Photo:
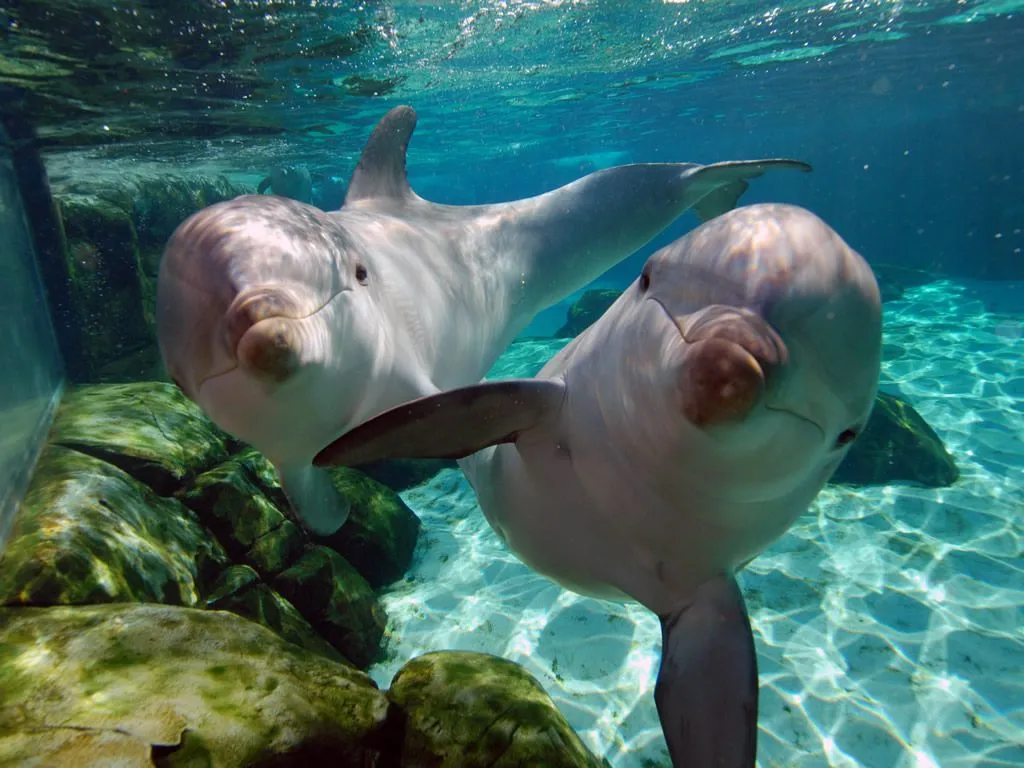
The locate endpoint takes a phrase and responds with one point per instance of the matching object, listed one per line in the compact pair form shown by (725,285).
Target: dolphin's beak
(260,334)
(730,354)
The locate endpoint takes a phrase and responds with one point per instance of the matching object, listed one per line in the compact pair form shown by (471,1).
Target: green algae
(473,709)
(337,601)
(208,686)
(87,532)
(148,429)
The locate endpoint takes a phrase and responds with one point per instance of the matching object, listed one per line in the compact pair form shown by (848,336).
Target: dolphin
(671,442)
(289,325)
(292,181)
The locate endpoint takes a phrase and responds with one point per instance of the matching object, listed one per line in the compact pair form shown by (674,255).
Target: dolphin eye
(645,281)
(361,273)
(846,437)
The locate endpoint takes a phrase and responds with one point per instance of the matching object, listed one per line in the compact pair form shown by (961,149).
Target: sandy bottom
(888,621)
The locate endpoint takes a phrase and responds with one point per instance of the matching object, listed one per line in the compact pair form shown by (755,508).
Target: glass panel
(32,372)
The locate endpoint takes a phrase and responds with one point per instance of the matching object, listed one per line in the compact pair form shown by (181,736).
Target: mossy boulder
(585,310)
(471,709)
(150,684)
(242,502)
(337,601)
(87,532)
(380,534)
(240,590)
(149,429)
(114,235)
(244,511)
(897,445)
(101,262)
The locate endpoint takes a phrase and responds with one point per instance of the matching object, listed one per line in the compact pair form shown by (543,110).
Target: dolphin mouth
(255,308)
(797,415)
(672,319)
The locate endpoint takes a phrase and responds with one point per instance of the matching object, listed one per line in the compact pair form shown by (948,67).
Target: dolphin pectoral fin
(719,186)
(381,169)
(449,425)
(314,498)
(706,692)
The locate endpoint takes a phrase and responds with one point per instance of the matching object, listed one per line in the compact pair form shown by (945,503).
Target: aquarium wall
(31,371)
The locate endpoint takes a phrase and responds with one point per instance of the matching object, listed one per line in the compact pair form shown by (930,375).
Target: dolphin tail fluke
(726,182)
(314,498)
(706,692)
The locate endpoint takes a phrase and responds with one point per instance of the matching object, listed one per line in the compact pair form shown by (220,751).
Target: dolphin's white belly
(624,541)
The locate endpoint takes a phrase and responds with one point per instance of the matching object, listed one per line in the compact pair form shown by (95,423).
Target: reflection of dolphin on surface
(671,442)
(290,326)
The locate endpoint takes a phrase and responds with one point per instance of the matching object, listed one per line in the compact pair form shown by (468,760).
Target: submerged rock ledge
(162,607)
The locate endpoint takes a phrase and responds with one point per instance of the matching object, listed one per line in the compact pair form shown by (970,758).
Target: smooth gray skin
(289,325)
(671,442)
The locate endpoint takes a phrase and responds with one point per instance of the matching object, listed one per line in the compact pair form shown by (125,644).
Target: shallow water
(887,620)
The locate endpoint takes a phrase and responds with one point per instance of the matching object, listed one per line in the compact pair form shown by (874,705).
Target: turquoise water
(888,620)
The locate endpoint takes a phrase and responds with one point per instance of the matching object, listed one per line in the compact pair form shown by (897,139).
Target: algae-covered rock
(87,532)
(237,503)
(337,601)
(897,445)
(240,590)
(585,310)
(380,534)
(241,500)
(101,262)
(148,429)
(471,709)
(149,684)
(114,234)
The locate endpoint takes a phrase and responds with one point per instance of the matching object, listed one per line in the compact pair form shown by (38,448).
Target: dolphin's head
(769,328)
(262,303)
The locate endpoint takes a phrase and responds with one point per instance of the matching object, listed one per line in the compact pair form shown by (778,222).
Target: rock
(337,601)
(144,684)
(585,310)
(897,444)
(380,534)
(237,503)
(87,532)
(148,429)
(471,709)
(240,590)
(101,262)
(114,235)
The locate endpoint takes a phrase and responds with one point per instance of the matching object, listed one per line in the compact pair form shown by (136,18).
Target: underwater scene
(518,382)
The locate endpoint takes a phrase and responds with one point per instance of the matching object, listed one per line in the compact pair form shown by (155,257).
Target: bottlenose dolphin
(289,325)
(289,181)
(671,442)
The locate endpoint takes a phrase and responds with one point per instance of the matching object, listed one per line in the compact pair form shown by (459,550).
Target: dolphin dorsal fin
(381,169)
